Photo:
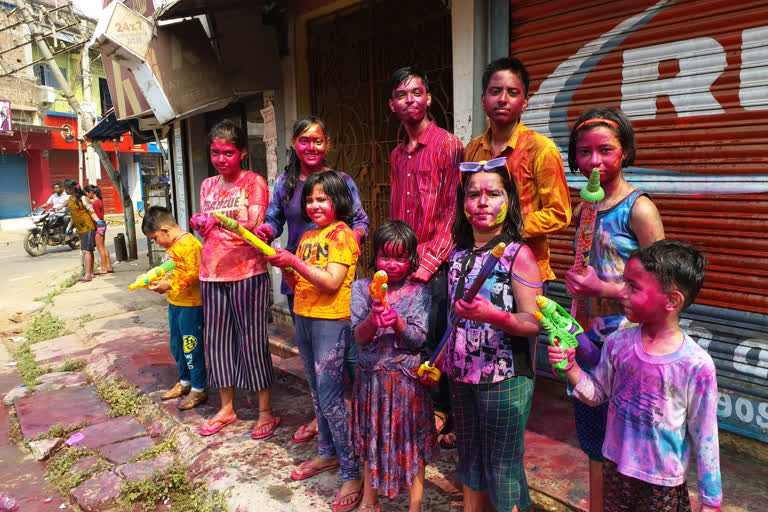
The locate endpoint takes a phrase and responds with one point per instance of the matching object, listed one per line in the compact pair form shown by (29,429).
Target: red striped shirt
(423,191)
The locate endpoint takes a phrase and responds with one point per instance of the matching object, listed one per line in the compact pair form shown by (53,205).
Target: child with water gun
(185,307)
(392,418)
(626,219)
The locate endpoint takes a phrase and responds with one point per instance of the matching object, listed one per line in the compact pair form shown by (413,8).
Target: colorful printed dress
(612,243)
(392,419)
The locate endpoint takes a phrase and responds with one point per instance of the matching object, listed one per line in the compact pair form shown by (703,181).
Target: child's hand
(160,286)
(479,310)
(556,356)
(584,285)
(386,318)
(264,233)
(282,259)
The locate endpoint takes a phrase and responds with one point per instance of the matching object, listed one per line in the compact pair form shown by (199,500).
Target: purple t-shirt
(658,406)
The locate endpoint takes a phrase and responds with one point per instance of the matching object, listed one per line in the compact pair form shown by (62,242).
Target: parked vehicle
(50,229)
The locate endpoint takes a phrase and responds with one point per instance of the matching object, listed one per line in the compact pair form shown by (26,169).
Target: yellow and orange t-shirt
(334,243)
(184,280)
(81,215)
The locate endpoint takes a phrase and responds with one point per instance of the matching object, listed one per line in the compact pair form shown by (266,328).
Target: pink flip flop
(336,506)
(272,422)
(307,470)
(304,434)
(208,428)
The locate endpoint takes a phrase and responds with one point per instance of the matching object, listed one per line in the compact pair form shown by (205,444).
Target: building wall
(38,171)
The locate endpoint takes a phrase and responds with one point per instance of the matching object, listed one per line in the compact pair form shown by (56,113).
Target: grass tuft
(122,398)
(44,327)
(173,488)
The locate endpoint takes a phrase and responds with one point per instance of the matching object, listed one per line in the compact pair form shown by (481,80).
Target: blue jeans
(186,323)
(325,346)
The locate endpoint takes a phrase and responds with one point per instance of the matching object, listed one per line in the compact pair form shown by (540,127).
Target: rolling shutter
(14,187)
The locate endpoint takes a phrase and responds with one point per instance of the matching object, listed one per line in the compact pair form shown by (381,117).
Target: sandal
(307,470)
(208,428)
(304,434)
(272,423)
(336,506)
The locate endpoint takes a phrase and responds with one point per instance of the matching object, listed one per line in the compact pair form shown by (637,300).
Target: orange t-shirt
(334,243)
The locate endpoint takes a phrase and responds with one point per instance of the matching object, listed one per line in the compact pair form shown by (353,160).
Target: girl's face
(311,146)
(320,208)
(226,158)
(600,147)
(91,195)
(485,202)
(393,260)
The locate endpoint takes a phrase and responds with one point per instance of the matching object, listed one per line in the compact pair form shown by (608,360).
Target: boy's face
(504,99)
(410,100)
(162,237)
(643,297)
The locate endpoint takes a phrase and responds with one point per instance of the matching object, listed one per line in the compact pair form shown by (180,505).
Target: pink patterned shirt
(227,257)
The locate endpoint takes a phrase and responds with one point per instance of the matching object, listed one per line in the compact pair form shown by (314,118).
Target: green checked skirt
(490,427)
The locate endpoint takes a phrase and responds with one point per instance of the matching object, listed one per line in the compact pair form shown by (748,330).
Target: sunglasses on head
(483,165)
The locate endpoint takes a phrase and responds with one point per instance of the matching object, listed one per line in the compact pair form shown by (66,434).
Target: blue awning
(109,128)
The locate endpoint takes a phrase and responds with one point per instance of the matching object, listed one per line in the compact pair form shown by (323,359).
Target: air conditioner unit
(47,94)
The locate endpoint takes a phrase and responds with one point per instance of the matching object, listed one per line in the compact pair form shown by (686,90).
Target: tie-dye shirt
(658,406)
(226,256)
(612,242)
(335,243)
(184,280)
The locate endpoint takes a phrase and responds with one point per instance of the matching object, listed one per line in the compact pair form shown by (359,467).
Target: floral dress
(392,419)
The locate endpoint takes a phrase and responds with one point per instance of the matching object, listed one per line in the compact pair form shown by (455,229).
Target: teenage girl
(86,221)
(94,194)
(323,270)
(234,283)
(488,359)
(392,417)
(626,219)
(309,145)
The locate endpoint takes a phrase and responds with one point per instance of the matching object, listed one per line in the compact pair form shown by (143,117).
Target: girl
(488,359)
(626,220)
(323,269)
(392,417)
(86,221)
(94,194)
(309,146)
(234,283)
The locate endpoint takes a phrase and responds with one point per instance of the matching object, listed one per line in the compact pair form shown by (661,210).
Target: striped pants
(236,344)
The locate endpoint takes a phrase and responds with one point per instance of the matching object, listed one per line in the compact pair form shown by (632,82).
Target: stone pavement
(126,335)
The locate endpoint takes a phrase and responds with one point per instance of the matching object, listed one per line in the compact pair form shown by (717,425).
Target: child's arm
(591,388)
(363,323)
(521,323)
(328,280)
(702,429)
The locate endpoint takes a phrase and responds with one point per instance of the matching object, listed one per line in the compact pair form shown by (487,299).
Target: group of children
(659,385)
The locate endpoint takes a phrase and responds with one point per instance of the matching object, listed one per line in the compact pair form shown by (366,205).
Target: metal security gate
(352,55)
(14,187)
(693,77)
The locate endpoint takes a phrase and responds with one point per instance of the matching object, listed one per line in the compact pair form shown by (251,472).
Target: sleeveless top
(478,353)
(612,242)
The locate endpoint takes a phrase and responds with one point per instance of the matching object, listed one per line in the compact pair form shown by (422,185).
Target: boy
(661,389)
(185,309)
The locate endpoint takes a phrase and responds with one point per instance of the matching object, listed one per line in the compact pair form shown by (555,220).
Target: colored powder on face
(501,216)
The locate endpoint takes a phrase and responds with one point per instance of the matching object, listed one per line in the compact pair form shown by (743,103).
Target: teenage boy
(424,175)
(661,388)
(185,306)
(534,160)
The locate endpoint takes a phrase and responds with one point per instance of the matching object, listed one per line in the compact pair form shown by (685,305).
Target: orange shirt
(334,243)
(537,168)
(184,280)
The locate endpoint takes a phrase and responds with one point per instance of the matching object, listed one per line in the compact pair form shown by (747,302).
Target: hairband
(598,120)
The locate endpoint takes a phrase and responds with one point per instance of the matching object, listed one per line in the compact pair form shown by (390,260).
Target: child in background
(323,270)
(661,388)
(185,307)
(392,417)
(488,358)
(626,219)
(94,194)
(86,221)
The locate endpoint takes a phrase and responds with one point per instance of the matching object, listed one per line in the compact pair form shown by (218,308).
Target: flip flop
(304,434)
(274,421)
(307,470)
(338,507)
(208,428)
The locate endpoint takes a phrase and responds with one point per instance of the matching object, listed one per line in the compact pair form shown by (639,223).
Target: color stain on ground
(281,493)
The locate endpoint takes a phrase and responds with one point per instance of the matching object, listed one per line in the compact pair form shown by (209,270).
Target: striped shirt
(423,191)
(537,167)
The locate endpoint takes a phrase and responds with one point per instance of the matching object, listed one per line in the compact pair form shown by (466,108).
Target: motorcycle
(50,229)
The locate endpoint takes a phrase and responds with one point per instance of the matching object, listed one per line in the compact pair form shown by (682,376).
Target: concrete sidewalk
(125,334)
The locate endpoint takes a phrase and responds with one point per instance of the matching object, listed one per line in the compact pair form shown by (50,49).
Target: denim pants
(186,323)
(325,346)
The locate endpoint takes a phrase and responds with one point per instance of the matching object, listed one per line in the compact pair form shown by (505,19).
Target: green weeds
(122,398)
(174,488)
(44,327)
